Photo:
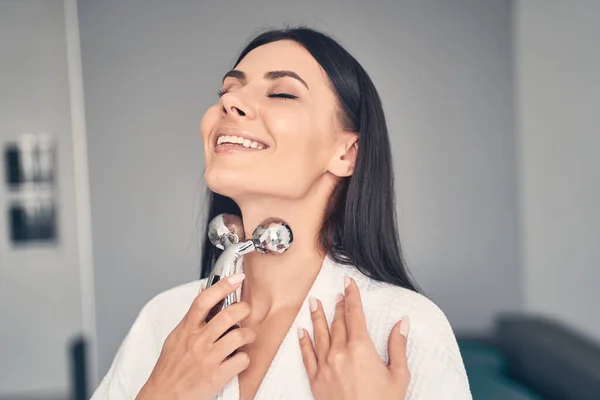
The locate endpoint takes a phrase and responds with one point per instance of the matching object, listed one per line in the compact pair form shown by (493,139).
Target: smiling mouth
(231,142)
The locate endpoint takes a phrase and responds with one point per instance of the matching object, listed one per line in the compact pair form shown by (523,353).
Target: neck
(283,280)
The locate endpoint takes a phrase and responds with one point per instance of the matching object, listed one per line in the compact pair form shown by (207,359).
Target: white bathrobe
(434,359)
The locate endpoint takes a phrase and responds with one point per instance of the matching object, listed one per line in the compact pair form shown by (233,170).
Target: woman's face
(274,131)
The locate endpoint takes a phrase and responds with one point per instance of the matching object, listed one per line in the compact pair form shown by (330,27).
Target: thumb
(397,346)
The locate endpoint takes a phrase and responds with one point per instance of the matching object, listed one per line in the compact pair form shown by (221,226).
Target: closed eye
(220,93)
(282,95)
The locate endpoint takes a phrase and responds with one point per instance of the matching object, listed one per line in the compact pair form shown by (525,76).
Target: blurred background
(493,110)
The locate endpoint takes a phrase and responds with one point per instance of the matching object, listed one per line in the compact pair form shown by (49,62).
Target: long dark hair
(359,226)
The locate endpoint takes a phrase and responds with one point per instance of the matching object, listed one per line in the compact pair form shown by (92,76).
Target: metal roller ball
(225,229)
(272,236)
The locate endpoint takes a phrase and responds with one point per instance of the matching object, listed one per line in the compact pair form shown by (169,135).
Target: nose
(233,106)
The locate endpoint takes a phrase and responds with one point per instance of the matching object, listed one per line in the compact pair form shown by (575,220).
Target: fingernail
(236,278)
(312,303)
(339,297)
(404,326)
(346,281)
(300,333)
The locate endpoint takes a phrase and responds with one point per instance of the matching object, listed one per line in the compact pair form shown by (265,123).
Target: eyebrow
(271,75)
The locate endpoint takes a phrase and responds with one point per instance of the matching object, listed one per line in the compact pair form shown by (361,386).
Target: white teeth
(239,140)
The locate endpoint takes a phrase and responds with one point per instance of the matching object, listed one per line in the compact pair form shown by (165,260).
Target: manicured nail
(346,281)
(339,297)
(300,333)
(236,278)
(404,326)
(312,303)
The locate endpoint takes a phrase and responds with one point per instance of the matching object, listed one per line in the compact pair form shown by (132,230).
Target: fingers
(397,346)
(320,328)
(232,367)
(210,297)
(225,319)
(308,353)
(355,317)
(232,341)
(339,335)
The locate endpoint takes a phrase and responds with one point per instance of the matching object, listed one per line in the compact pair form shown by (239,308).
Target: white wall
(40,298)
(443,69)
(558,62)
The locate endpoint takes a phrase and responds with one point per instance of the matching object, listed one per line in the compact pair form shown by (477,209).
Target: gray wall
(443,69)
(40,299)
(559,143)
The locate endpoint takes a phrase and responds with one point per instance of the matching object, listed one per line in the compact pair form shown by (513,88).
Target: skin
(292,179)
(343,364)
(311,153)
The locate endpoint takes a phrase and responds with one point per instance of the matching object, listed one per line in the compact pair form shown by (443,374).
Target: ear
(344,158)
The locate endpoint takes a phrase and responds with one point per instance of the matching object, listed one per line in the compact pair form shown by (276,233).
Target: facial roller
(226,232)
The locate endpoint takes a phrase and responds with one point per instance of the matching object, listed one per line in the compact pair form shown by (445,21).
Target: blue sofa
(531,357)
(486,367)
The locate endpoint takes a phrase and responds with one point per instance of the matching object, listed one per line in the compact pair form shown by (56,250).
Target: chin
(238,183)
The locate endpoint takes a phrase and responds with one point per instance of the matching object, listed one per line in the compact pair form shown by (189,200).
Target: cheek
(302,153)
(296,131)
(209,121)
(207,124)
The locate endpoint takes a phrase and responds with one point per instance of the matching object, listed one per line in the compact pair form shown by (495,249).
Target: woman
(298,133)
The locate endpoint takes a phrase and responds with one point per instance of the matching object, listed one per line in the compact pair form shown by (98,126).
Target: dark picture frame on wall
(30,176)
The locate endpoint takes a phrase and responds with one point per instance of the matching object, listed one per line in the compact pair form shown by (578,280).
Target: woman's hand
(193,363)
(345,364)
